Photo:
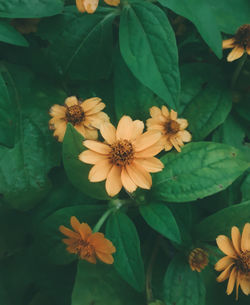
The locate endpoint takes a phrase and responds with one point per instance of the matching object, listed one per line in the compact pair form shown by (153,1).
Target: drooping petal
(223,263)
(91,157)
(225,274)
(98,147)
(112,2)
(106,258)
(236,239)
(96,120)
(101,244)
(185,135)
(80,6)
(245,284)
(151,165)
(127,182)
(100,170)
(155,111)
(231,281)
(149,152)
(60,130)
(108,132)
(58,111)
(91,259)
(245,239)
(113,183)
(68,232)
(75,224)
(71,101)
(228,43)
(147,139)
(236,53)
(226,246)
(139,175)
(124,128)
(91,134)
(85,230)
(89,103)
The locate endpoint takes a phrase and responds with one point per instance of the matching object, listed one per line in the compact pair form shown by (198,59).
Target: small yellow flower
(172,129)
(90,6)
(240,43)
(127,157)
(25,25)
(85,116)
(236,265)
(87,245)
(198,259)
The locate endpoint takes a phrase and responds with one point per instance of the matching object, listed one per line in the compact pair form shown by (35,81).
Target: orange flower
(236,265)
(25,25)
(90,6)
(87,245)
(127,157)
(240,43)
(198,259)
(86,117)
(172,129)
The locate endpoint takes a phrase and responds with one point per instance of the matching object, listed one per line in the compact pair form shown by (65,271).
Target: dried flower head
(87,245)
(172,129)
(25,25)
(198,259)
(85,116)
(90,6)
(240,43)
(236,265)
(127,157)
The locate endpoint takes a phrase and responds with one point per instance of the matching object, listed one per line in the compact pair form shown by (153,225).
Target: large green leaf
(201,15)
(206,97)
(76,170)
(161,219)
(222,221)
(245,188)
(24,168)
(86,41)
(200,170)
(148,47)
(48,238)
(9,35)
(99,285)
(183,286)
(128,261)
(30,8)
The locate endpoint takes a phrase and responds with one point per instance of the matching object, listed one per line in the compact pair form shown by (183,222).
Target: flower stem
(103,218)
(237,71)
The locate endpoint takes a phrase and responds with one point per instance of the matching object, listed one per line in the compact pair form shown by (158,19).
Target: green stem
(103,218)
(238,70)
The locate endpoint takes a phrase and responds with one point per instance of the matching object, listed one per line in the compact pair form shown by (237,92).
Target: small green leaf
(128,261)
(76,170)
(182,285)
(148,47)
(202,17)
(199,170)
(222,221)
(9,35)
(161,219)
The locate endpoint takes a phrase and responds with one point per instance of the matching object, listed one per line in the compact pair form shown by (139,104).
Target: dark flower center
(84,248)
(74,114)
(243,263)
(171,127)
(122,153)
(242,37)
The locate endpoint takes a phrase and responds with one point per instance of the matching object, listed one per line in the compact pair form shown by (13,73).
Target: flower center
(242,37)
(198,259)
(172,127)
(74,114)
(84,249)
(243,263)
(122,153)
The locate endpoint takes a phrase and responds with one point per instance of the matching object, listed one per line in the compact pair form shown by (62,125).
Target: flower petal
(147,139)
(127,182)
(71,101)
(151,165)
(165,111)
(89,103)
(226,246)
(155,111)
(60,130)
(245,284)
(68,232)
(85,230)
(245,239)
(139,175)
(106,258)
(185,135)
(98,147)
(58,111)
(101,244)
(75,224)
(137,129)
(173,115)
(112,2)
(228,43)
(91,157)
(149,152)
(183,123)
(98,108)
(113,183)
(236,239)
(223,263)
(175,144)
(80,6)
(231,281)
(225,274)
(248,50)
(100,170)
(91,259)
(124,128)
(236,53)
(108,132)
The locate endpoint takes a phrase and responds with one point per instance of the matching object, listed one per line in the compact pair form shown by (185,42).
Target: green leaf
(182,285)
(52,249)
(161,219)
(245,188)
(148,47)
(202,17)
(99,284)
(128,261)
(76,170)
(230,14)
(86,41)
(222,221)
(9,35)
(30,9)
(199,170)
(207,102)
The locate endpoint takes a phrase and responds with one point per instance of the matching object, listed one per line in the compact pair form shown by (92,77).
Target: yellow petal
(137,129)
(91,259)
(71,101)
(99,107)
(108,132)
(106,258)
(60,130)
(91,157)
(236,53)
(90,103)
(101,244)
(155,111)
(90,5)
(245,284)
(58,111)
(85,230)
(223,263)
(185,135)
(147,139)
(226,246)
(112,2)
(139,175)
(231,281)
(68,232)
(96,146)
(165,111)
(183,123)
(168,146)
(127,182)
(113,183)
(100,170)
(245,239)
(151,165)
(124,128)
(236,239)
(149,152)
(91,134)
(173,115)
(96,120)
(228,43)
(175,144)
(75,224)
(80,6)
(225,274)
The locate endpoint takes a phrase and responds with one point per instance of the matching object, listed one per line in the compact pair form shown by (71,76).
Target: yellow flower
(172,129)
(236,265)
(85,116)
(25,25)
(90,6)
(240,43)
(87,245)
(127,157)
(198,259)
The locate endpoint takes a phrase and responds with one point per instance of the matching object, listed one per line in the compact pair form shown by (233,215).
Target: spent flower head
(198,259)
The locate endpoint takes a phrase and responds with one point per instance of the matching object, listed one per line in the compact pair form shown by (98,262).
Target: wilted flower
(87,245)
(172,128)
(198,259)
(240,43)
(127,157)
(85,116)
(25,25)
(90,6)
(236,265)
